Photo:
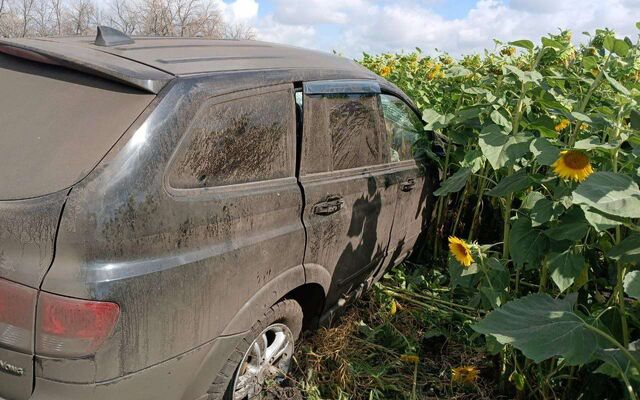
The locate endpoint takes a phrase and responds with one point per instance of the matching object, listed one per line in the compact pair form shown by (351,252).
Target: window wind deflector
(108,37)
(342,87)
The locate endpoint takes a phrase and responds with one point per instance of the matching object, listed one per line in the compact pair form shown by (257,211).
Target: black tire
(287,312)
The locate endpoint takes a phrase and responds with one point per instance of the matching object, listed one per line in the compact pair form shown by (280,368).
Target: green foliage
(542,165)
(610,193)
(543,327)
(454,183)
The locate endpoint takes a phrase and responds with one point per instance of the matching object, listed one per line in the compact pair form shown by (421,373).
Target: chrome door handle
(328,207)
(408,185)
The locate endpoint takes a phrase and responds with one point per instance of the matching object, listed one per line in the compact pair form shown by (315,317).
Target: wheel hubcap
(268,357)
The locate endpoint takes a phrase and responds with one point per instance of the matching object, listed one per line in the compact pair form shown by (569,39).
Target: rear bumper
(16,374)
(186,377)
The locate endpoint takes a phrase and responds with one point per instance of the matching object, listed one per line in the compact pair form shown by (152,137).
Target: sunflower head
(574,165)
(508,51)
(460,250)
(385,71)
(562,125)
(466,375)
(410,358)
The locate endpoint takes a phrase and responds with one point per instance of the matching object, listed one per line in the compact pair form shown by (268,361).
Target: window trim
(237,189)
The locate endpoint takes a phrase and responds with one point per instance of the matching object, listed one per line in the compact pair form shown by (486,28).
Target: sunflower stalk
(621,268)
(441,202)
(429,306)
(431,298)
(482,183)
(509,199)
(461,207)
(585,101)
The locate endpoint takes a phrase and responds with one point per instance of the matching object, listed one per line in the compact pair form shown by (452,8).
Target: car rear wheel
(262,357)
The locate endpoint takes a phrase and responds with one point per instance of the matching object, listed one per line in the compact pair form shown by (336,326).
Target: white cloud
(319,11)
(298,35)
(385,25)
(240,11)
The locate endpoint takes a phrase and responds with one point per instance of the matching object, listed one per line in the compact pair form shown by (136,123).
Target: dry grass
(370,353)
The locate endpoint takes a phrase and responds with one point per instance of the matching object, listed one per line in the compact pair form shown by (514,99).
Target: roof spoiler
(88,60)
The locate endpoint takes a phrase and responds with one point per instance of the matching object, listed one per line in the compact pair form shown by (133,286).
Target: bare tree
(209,24)
(186,14)
(155,18)
(57,11)
(81,14)
(239,31)
(26,6)
(183,18)
(43,18)
(124,16)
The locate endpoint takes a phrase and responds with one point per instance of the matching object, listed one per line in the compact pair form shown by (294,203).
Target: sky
(351,27)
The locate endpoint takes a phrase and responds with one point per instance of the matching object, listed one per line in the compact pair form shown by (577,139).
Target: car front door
(403,127)
(350,190)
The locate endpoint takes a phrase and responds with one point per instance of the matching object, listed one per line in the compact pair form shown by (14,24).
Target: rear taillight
(17,307)
(70,327)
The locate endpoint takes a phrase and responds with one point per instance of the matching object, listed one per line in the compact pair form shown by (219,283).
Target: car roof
(150,63)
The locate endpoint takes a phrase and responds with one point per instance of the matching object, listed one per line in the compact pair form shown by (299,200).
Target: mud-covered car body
(240,173)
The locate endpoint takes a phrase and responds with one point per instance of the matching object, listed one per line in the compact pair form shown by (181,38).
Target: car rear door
(350,190)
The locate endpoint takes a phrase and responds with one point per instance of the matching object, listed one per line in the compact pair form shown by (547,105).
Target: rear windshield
(56,124)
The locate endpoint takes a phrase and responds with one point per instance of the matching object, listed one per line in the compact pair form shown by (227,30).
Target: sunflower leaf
(454,183)
(544,152)
(617,85)
(565,268)
(632,284)
(615,362)
(527,245)
(543,327)
(611,193)
(502,148)
(525,44)
(628,251)
(599,221)
(512,183)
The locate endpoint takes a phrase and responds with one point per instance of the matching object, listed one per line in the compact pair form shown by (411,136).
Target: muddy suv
(173,212)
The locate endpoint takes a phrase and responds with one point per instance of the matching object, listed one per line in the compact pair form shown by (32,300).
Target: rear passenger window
(403,127)
(244,140)
(353,127)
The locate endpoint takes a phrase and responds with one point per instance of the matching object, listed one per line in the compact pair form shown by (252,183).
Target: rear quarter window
(242,138)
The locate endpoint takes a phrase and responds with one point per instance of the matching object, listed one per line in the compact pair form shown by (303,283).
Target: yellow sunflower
(562,125)
(385,71)
(508,51)
(435,73)
(466,375)
(574,165)
(460,250)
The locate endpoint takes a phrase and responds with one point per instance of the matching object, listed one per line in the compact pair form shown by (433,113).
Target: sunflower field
(539,202)
(533,249)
